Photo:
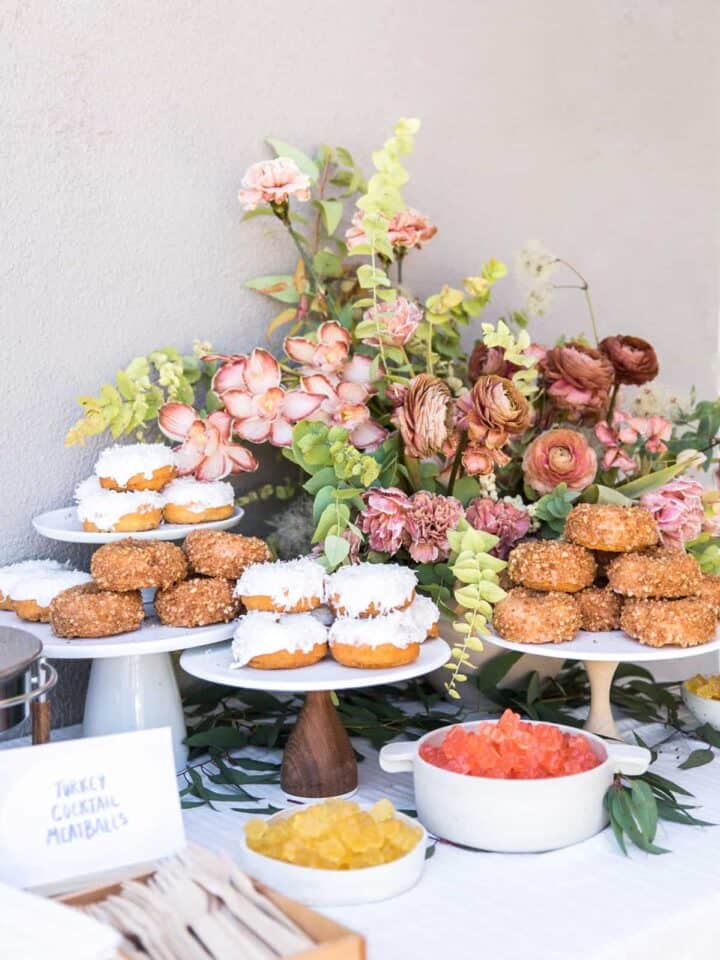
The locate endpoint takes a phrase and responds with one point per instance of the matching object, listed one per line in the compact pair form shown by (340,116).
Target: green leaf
(597,493)
(279,286)
(492,673)
(634,489)
(698,758)
(336,550)
(334,517)
(709,735)
(324,477)
(218,737)
(283,149)
(327,264)
(332,211)
(465,489)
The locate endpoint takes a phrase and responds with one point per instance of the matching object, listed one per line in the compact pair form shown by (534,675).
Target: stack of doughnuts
(607,574)
(134,487)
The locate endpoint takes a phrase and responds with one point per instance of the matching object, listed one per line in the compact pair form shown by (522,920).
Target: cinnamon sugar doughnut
(285,586)
(188,500)
(274,641)
(216,553)
(89,611)
(709,591)
(390,640)
(611,528)
(661,573)
(599,608)
(551,565)
(370,589)
(688,622)
(136,466)
(527,616)
(134,564)
(197,602)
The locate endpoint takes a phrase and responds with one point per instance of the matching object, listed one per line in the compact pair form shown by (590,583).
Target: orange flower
(424,419)
(492,412)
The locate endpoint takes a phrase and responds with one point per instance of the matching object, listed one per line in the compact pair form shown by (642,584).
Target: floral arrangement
(413,448)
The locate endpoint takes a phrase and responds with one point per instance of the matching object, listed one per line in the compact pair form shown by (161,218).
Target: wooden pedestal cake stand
(319,761)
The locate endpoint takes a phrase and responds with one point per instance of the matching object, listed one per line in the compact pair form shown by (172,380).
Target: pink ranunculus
(328,354)
(396,321)
(502,518)
(384,518)
(560,455)
(260,407)
(344,404)
(409,228)
(677,507)
(579,378)
(206,449)
(429,519)
(274,182)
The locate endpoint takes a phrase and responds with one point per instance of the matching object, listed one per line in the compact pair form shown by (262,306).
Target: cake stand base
(136,692)
(318,761)
(600,719)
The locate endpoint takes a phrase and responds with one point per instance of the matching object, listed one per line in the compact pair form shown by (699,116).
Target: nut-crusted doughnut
(551,565)
(660,623)
(527,616)
(197,602)
(599,608)
(661,574)
(215,553)
(615,529)
(88,611)
(709,591)
(133,564)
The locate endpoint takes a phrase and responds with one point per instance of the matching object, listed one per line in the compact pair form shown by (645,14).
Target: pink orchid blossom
(328,355)
(657,431)
(614,457)
(274,182)
(344,404)
(677,508)
(260,407)
(206,449)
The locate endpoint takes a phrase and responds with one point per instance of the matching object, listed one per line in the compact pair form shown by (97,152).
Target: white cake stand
(132,684)
(319,761)
(601,653)
(63,524)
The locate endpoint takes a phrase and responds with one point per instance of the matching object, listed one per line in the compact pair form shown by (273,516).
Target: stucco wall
(126,126)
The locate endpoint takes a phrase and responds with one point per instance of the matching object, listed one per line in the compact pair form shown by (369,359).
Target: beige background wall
(126,126)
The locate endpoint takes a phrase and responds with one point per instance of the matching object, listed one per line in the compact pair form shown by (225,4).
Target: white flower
(534,263)
(488,486)
(693,459)
(656,401)
(201,348)
(539,299)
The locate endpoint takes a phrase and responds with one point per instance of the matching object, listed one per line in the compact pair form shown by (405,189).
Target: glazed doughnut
(527,616)
(611,528)
(134,564)
(197,602)
(274,641)
(216,553)
(661,573)
(191,501)
(13,572)
(599,609)
(136,466)
(32,594)
(128,512)
(390,640)
(286,586)
(88,611)
(709,591)
(424,613)
(551,565)
(660,623)
(370,589)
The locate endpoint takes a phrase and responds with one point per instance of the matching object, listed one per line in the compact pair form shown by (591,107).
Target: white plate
(613,646)
(63,524)
(213,664)
(152,637)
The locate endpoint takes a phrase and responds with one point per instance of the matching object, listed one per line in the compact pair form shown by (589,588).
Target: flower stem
(283,214)
(456,464)
(611,405)
(428,359)
(585,287)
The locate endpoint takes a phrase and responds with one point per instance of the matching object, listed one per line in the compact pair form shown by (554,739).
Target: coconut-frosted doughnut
(127,512)
(370,589)
(188,500)
(87,611)
(526,616)
(275,641)
(688,622)
(286,586)
(424,612)
(32,594)
(136,466)
(551,565)
(709,591)
(197,602)
(10,574)
(216,553)
(662,573)
(599,608)
(135,564)
(389,640)
(609,527)
(88,487)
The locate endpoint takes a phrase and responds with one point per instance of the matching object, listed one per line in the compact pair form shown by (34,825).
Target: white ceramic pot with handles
(513,816)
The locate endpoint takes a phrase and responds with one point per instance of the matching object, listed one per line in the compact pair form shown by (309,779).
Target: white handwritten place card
(84,807)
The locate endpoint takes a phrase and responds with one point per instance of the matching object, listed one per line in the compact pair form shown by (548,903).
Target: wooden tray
(333,942)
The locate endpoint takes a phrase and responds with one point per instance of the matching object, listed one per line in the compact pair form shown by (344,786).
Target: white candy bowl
(513,816)
(338,888)
(703,709)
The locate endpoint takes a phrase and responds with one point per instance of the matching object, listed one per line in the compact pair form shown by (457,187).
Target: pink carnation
(429,519)
(384,518)
(396,321)
(408,229)
(677,507)
(273,181)
(501,518)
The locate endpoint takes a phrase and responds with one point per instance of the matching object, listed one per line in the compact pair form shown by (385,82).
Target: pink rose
(429,519)
(677,507)
(273,182)
(397,321)
(558,456)
(501,518)
(384,518)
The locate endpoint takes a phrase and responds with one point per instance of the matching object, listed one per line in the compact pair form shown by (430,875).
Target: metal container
(25,678)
